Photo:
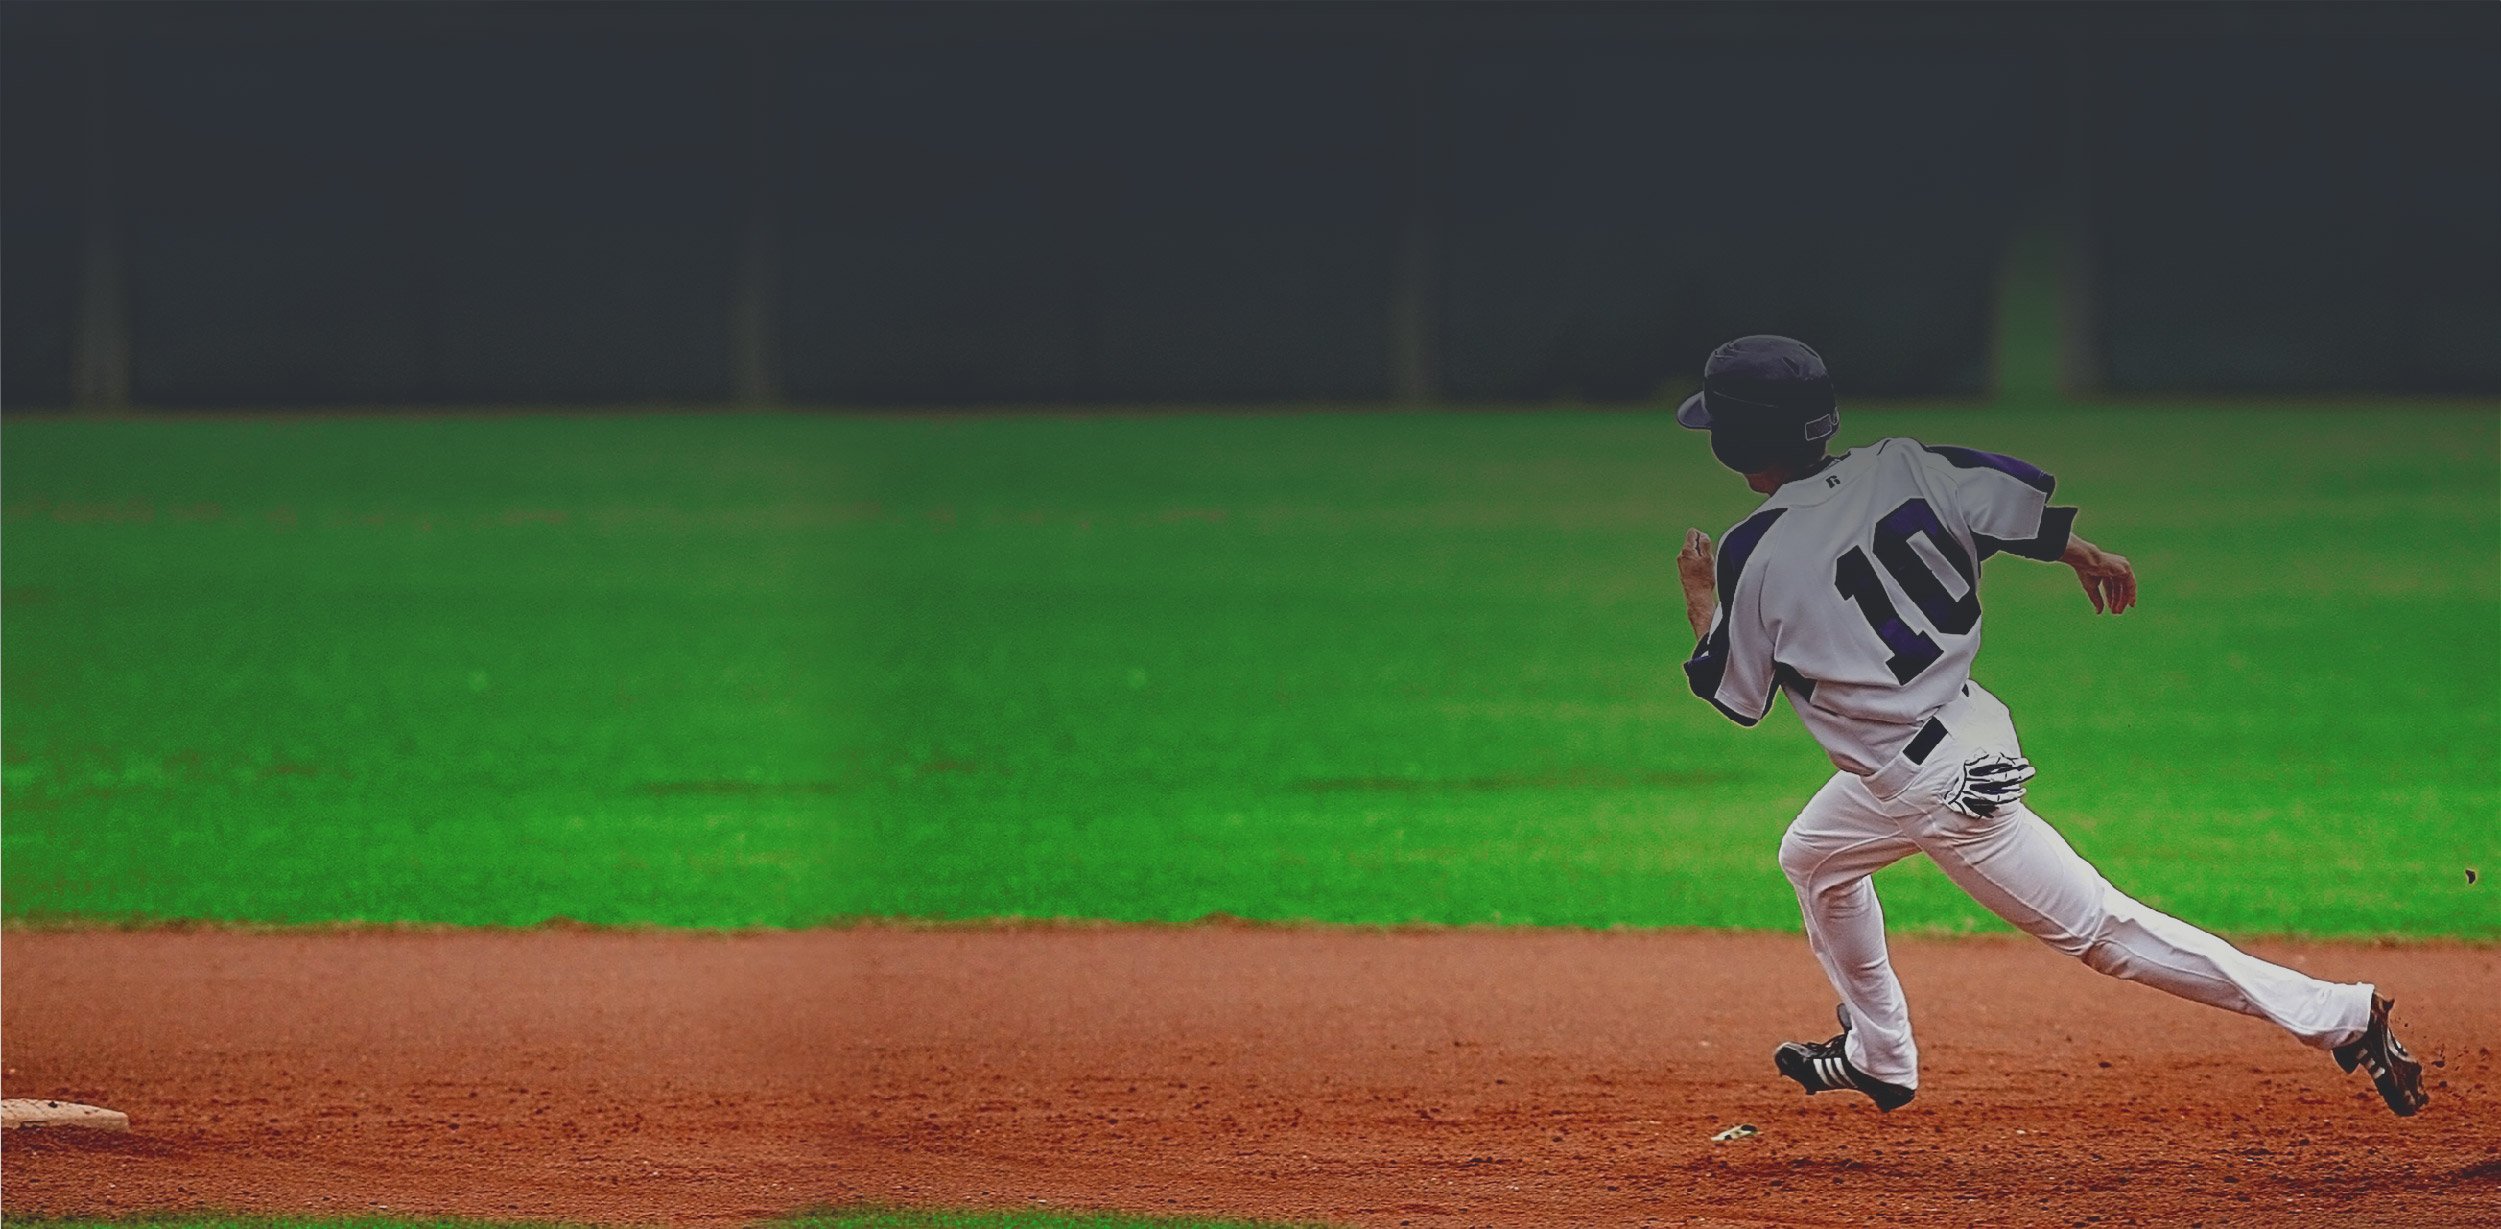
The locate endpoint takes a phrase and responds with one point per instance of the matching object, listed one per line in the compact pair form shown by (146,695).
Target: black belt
(1924,741)
(1928,737)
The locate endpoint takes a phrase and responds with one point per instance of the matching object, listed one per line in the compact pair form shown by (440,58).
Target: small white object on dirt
(1743,1130)
(17,1112)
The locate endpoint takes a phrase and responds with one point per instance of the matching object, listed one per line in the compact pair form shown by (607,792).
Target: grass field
(779,670)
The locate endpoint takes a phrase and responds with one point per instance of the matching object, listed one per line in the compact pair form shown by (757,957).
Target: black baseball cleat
(1821,1065)
(2399,1077)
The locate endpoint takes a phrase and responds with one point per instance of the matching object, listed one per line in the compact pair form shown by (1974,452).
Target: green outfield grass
(779,670)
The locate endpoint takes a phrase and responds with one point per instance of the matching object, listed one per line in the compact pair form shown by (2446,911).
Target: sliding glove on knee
(1991,784)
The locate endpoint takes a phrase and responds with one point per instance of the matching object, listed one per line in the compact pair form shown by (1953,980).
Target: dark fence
(215,204)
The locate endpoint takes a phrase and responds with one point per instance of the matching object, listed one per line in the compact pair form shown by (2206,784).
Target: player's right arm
(2002,501)
(2108,579)
(2005,504)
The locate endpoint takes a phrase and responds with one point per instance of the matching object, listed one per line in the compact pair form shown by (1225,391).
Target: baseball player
(1855,589)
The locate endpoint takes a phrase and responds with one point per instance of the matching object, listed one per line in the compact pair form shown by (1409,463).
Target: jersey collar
(1816,487)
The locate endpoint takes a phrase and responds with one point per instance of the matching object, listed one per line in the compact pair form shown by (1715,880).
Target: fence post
(2080,358)
(1415,257)
(755,377)
(100,333)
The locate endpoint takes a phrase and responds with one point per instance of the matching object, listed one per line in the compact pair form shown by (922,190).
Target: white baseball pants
(2020,868)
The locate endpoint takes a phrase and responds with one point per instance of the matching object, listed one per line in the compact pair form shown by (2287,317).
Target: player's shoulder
(1951,457)
(1882,464)
(1749,533)
(1891,452)
(1743,542)
(1902,450)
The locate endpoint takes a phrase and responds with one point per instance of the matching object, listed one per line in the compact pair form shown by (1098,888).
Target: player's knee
(1799,859)
(2102,951)
(2106,958)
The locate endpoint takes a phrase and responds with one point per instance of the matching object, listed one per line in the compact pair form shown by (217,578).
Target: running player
(1855,589)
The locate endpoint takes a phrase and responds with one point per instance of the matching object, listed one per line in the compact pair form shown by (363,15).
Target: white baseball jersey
(1856,589)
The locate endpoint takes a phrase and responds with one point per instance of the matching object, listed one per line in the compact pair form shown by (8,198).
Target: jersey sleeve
(2004,501)
(1732,666)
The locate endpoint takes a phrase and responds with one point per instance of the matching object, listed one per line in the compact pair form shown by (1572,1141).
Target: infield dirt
(1433,1078)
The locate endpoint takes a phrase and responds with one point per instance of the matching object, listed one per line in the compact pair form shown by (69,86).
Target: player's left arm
(1695,567)
(1732,664)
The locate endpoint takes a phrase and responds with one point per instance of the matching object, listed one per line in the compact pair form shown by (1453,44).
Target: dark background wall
(218,204)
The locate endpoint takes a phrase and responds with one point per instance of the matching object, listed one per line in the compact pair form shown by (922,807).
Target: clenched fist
(1697,567)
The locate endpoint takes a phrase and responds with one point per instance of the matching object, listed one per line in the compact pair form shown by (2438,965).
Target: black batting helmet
(1764,399)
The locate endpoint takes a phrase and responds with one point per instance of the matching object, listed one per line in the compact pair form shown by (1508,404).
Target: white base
(19,1112)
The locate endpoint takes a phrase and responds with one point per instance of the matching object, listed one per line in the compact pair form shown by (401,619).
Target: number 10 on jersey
(1913,649)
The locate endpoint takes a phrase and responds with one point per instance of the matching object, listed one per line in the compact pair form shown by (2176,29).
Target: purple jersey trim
(2057,525)
(1972,458)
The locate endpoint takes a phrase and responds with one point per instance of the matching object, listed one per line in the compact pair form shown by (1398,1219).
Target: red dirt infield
(1428,1078)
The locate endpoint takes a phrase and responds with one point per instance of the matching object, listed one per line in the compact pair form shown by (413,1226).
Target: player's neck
(1771,480)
